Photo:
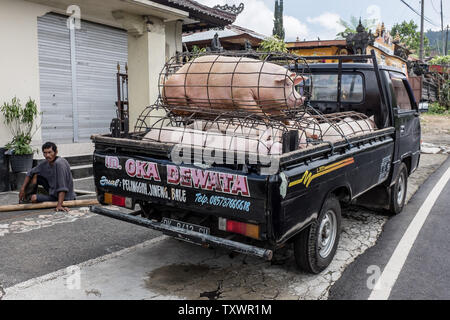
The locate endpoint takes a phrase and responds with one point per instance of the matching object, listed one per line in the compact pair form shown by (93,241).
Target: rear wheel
(399,190)
(315,247)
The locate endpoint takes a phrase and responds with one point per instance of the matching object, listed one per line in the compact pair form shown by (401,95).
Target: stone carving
(215,44)
(359,41)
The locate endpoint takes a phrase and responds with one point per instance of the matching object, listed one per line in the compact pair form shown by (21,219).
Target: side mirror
(395,110)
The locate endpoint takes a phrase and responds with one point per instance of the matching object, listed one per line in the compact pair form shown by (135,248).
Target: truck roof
(353,66)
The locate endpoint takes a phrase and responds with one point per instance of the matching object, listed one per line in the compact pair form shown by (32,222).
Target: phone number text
(223,202)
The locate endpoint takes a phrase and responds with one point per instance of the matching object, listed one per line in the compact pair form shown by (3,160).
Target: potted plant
(20,121)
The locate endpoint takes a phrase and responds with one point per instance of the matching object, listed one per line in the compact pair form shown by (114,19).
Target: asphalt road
(425,273)
(29,253)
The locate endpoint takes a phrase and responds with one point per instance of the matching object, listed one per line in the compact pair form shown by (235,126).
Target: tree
(409,35)
(278,28)
(350,27)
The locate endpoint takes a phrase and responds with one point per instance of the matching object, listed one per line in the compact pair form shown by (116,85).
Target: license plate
(184,225)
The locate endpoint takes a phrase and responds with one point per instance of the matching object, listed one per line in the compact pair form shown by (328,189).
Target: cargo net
(249,132)
(260,83)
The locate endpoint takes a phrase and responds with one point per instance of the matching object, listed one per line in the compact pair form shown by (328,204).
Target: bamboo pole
(46,205)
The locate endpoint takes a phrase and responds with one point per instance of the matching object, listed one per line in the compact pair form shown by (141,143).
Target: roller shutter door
(55,79)
(97,50)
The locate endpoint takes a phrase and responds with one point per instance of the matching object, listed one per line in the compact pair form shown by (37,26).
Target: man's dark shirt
(58,175)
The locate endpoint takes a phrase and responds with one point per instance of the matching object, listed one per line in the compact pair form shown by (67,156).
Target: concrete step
(82,171)
(80,160)
(78,172)
(73,160)
(84,185)
(80,167)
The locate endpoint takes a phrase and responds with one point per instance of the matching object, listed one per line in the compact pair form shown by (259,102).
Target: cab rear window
(402,97)
(325,86)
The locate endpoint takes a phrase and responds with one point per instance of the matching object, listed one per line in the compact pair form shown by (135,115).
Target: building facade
(64,55)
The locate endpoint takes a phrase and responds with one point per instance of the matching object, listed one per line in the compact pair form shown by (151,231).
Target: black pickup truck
(244,210)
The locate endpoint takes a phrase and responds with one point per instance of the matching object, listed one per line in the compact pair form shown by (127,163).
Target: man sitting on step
(53,175)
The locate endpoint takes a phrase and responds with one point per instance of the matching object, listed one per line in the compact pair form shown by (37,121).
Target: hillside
(435,38)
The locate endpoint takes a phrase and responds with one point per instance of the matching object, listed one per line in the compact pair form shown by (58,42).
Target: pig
(310,128)
(260,132)
(232,83)
(276,149)
(349,126)
(307,126)
(230,128)
(260,144)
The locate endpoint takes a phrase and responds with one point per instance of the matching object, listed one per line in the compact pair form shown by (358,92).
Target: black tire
(309,255)
(149,212)
(399,191)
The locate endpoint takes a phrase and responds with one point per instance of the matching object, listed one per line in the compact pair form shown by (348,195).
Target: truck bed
(162,150)
(260,198)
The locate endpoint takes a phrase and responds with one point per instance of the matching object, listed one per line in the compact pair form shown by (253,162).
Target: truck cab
(360,92)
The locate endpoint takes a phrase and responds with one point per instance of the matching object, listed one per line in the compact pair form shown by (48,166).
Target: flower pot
(21,163)
(4,171)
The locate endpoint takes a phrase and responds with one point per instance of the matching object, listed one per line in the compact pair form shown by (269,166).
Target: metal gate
(78,77)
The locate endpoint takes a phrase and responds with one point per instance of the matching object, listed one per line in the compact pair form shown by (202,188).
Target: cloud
(374,12)
(258,17)
(329,21)
(294,28)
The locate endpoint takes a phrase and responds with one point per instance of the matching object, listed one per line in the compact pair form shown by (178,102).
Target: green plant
(436,108)
(273,44)
(352,25)
(440,60)
(20,121)
(197,50)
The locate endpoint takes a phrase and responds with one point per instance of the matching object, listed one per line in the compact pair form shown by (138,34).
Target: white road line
(393,268)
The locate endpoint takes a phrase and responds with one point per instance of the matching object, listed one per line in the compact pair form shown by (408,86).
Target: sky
(319,18)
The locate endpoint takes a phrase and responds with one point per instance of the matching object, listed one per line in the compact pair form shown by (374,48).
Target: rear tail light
(246,229)
(118,200)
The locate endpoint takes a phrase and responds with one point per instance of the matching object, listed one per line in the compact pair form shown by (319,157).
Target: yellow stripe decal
(308,177)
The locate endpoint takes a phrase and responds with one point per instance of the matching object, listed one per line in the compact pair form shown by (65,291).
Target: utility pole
(422,13)
(446,43)
(442,31)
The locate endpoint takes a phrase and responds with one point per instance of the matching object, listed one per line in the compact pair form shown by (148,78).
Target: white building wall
(174,40)
(146,58)
(19,62)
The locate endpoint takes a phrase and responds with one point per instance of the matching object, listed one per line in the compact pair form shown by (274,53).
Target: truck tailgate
(213,191)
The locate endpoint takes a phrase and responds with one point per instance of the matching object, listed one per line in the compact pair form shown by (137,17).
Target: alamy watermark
(209,147)
(373,280)
(73,280)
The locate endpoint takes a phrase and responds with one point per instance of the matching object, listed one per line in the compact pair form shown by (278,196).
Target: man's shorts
(45,197)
